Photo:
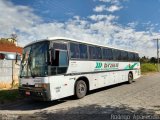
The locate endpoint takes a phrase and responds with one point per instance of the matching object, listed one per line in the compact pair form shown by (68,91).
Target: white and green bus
(58,67)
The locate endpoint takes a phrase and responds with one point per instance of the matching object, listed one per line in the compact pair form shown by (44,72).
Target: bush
(148,67)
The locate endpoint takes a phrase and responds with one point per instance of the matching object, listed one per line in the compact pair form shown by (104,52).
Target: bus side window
(119,54)
(124,55)
(136,57)
(130,56)
(83,51)
(95,53)
(110,54)
(98,52)
(107,54)
(74,51)
(116,54)
(92,53)
(104,54)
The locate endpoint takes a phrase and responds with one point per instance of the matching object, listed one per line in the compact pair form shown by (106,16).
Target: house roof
(10,48)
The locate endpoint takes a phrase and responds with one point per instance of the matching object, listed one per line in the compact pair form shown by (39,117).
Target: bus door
(58,67)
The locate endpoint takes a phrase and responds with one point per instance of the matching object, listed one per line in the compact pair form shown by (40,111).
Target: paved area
(139,100)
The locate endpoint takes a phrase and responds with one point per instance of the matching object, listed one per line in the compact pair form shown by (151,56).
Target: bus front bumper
(35,93)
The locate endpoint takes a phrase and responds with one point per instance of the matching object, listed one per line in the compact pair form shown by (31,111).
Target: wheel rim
(81,88)
(130,77)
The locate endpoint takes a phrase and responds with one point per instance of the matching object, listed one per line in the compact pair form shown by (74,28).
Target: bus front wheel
(130,78)
(80,89)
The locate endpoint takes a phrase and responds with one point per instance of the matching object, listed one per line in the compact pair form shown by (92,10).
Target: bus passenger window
(95,53)
(124,55)
(74,51)
(116,54)
(130,56)
(92,52)
(98,53)
(83,51)
(136,57)
(107,54)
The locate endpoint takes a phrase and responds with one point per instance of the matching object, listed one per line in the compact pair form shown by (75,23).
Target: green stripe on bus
(130,67)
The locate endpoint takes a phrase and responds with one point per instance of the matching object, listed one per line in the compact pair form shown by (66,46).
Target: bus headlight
(41,85)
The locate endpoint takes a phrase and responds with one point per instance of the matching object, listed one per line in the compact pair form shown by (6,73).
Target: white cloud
(99,8)
(117,2)
(132,24)
(103,30)
(108,18)
(105,0)
(113,8)
(16,18)
(115,5)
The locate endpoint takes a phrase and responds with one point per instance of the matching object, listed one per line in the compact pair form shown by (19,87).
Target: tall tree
(153,60)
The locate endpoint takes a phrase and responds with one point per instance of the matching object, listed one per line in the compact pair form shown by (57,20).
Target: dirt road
(140,100)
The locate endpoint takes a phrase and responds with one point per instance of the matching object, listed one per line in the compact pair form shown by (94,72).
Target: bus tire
(80,89)
(130,77)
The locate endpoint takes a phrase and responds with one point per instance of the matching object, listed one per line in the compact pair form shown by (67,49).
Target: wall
(9,73)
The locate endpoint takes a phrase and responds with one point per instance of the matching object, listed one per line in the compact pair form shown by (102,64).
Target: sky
(124,24)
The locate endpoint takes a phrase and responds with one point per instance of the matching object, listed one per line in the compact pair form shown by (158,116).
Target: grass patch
(9,95)
(148,67)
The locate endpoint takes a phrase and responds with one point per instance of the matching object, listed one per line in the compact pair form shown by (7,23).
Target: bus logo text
(100,65)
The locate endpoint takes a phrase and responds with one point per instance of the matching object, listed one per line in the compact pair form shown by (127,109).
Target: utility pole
(157,53)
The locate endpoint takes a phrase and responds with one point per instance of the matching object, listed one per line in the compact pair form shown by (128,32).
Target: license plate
(27,93)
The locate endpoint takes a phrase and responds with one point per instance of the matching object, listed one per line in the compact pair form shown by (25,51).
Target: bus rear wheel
(130,78)
(80,89)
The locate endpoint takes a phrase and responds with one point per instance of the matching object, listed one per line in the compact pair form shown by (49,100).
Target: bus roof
(74,40)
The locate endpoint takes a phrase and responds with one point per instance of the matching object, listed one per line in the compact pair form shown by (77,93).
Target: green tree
(153,60)
(144,59)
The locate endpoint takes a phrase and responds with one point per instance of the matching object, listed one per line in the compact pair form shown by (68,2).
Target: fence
(9,73)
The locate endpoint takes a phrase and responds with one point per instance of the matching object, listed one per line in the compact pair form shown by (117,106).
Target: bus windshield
(35,60)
